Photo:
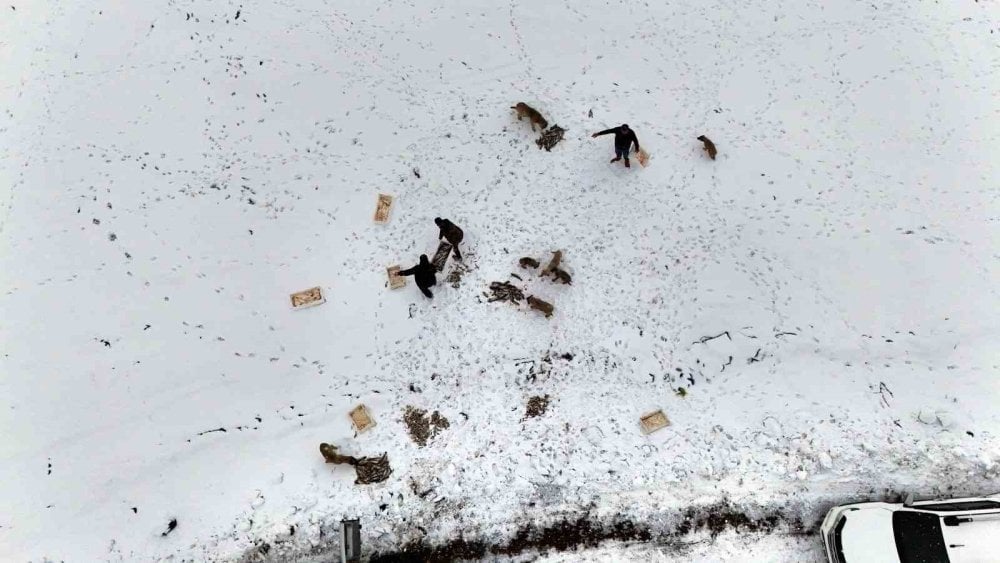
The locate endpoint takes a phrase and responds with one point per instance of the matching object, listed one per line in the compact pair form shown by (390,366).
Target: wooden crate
(382,207)
(653,421)
(361,419)
(643,157)
(396,281)
(307,298)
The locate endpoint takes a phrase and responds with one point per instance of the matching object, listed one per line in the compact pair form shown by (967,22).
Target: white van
(931,531)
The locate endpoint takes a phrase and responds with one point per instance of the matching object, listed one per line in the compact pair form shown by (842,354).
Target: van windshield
(918,537)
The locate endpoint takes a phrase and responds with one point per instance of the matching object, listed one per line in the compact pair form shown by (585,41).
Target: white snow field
(171,171)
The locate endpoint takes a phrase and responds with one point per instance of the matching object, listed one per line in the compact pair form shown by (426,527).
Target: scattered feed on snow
(422,427)
(505,291)
(550,137)
(458,270)
(307,298)
(361,419)
(382,207)
(537,406)
(372,469)
(651,422)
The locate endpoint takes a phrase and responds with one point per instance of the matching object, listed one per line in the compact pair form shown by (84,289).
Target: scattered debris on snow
(550,137)
(372,469)
(505,291)
(422,427)
(537,406)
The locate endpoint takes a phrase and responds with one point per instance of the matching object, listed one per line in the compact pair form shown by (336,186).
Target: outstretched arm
(408,272)
(605,132)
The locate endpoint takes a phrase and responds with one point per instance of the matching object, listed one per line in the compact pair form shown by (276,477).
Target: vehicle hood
(867,536)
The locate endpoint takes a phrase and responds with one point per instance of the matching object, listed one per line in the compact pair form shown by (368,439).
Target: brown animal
(329,452)
(528,262)
(560,275)
(553,264)
(709,146)
(524,109)
(539,305)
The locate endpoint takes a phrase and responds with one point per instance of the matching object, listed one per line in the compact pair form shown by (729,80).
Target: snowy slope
(169,173)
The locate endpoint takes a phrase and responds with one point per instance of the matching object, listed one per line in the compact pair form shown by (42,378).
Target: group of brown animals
(558,275)
(524,110)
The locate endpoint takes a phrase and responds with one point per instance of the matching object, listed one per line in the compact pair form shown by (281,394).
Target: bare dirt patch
(537,406)
(588,532)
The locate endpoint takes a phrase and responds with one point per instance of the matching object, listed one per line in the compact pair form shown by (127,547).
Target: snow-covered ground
(171,171)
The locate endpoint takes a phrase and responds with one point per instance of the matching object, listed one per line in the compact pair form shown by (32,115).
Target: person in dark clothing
(424,274)
(624,138)
(451,233)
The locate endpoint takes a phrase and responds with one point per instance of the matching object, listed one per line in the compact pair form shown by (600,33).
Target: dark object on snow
(451,233)
(528,262)
(553,264)
(455,275)
(421,426)
(709,146)
(550,137)
(537,406)
(170,527)
(424,274)
(350,541)
(539,305)
(372,470)
(505,291)
(560,275)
